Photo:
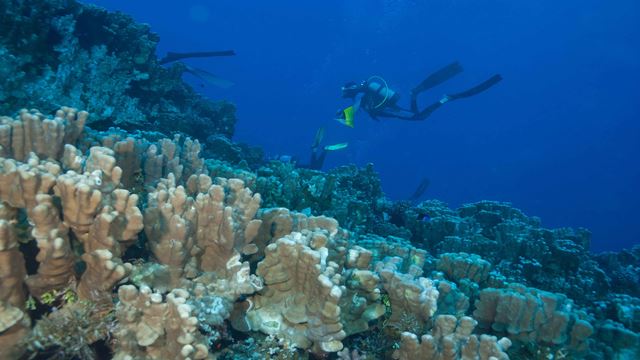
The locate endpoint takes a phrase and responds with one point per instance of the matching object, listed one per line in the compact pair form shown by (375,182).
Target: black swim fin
(209,77)
(318,139)
(420,190)
(438,77)
(476,89)
(173,56)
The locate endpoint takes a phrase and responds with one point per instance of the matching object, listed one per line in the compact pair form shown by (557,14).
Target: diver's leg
(318,162)
(476,89)
(421,115)
(461,95)
(397,113)
(434,79)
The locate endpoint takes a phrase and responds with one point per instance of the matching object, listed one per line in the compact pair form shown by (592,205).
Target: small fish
(425,218)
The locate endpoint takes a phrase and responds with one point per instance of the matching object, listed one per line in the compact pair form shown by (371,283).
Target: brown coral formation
(32,132)
(408,294)
(533,315)
(56,258)
(14,322)
(206,233)
(452,339)
(301,295)
(152,326)
(61,207)
(20,183)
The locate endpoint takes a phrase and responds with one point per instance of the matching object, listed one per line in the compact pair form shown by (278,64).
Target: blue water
(559,137)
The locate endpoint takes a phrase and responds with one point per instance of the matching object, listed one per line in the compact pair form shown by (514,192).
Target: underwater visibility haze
(364,179)
(558,138)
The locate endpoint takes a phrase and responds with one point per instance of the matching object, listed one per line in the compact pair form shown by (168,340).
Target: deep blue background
(559,137)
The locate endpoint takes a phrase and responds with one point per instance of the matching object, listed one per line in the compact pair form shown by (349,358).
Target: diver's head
(350,89)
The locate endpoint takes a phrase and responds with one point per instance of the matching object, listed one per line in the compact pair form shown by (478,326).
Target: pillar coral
(20,183)
(407,293)
(278,222)
(103,272)
(169,225)
(14,322)
(225,224)
(180,158)
(361,302)
(55,257)
(300,302)
(205,234)
(81,200)
(31,132)
(152,327)
(533,315)
(459,266)
(128,154)
(28,185)
(452,339)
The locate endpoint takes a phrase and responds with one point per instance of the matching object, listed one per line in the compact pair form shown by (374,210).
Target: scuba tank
(381,92)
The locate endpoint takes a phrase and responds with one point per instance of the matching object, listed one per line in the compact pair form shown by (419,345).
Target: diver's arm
(357,101)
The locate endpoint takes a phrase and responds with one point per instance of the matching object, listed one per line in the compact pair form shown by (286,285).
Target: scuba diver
(318,155)
(376,98)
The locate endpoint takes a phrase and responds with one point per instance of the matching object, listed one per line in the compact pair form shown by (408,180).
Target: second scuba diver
(376,98)
(319,154)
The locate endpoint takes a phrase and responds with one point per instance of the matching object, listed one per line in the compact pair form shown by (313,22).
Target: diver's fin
(173,56)
(426,112)
(438,77)
(318,139)
(346,116)
(336,147)
(420,190)
(476,89)
(209,77)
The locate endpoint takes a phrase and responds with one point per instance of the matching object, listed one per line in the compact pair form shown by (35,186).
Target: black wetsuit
(316,162)
(374,102)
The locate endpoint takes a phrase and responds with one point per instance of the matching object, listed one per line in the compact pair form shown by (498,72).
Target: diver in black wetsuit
(316,162)
(376,98)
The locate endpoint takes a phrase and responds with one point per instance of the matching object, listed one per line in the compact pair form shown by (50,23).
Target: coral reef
(301,295)
(452,339)
(64,52)
(532,315)
(133,225)
(216,258)
(142,245)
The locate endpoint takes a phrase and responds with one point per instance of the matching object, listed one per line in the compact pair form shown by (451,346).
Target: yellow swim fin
(349,116)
